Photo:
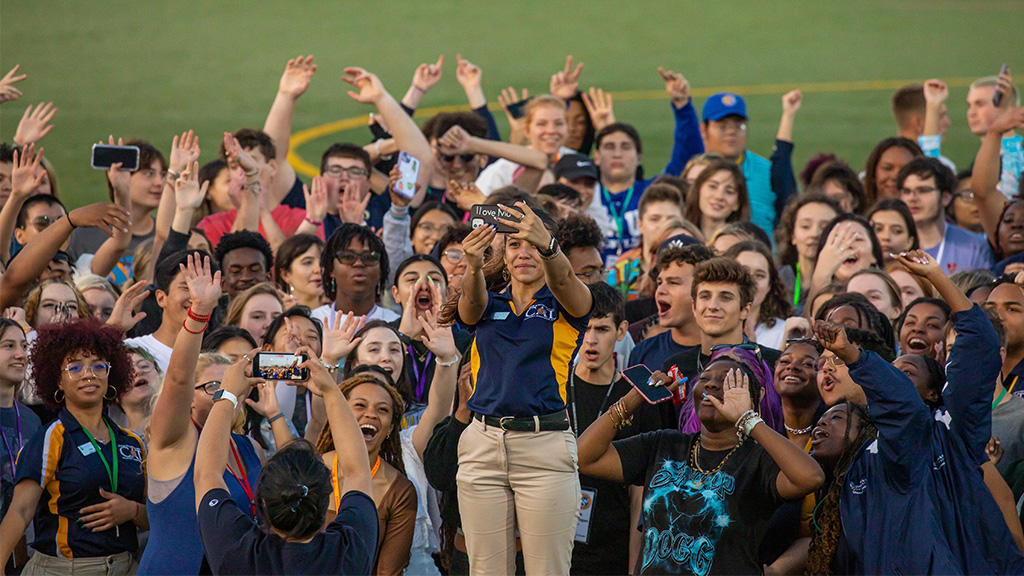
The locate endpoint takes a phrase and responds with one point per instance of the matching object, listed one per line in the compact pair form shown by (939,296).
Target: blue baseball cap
(723,104)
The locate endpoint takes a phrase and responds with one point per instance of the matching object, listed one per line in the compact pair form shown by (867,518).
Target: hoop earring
(58,400)
(505,275)
(109,388)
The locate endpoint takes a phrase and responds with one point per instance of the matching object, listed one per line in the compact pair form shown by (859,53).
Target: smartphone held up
(280,366)
(104,156)
(481,214)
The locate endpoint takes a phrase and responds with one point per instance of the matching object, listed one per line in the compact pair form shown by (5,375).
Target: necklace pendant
(698,483)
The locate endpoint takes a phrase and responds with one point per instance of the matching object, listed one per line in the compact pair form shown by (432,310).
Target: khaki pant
(524,480)
(117,565)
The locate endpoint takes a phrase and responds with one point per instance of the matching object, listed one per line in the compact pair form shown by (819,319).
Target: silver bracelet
(451,362)
(746,422)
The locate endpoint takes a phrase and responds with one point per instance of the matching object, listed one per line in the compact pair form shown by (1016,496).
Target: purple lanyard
(421,377)
(10,453)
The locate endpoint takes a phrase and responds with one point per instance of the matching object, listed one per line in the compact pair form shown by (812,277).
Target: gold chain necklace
(695,454)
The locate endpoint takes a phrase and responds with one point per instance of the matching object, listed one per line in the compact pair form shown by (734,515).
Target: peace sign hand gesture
(565,84)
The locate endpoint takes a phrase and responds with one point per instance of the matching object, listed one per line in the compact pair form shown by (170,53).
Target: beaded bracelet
(198,317)
(448,363)
(185,321)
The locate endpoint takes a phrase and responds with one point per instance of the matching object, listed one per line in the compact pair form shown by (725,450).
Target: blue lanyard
(618,215)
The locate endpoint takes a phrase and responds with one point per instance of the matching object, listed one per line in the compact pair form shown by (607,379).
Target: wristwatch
(223,394)
(552,250)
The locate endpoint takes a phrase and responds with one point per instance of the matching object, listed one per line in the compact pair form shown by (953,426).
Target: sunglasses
(466,158)
(835,361)
(750,346)
(348,258)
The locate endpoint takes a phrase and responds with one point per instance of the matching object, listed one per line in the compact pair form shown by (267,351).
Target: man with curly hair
(245,259)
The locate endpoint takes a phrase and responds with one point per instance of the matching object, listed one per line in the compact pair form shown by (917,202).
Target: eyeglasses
(918,192)
(441,229)
(802,340)
(144,366)
(210,387)
(466,158)
(725,126)
(77,370)
(348,258)
(352,171)
(592,275)
(454,255)
(966,196)
(42,223)
(750,346)
(835,361)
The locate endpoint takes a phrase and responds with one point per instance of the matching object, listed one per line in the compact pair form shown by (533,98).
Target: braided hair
(826,520)
(391,449)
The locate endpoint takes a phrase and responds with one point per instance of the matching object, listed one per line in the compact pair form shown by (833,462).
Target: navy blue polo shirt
(62,460)
(521,358)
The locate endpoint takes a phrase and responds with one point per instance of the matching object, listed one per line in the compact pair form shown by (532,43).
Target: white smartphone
(409,166)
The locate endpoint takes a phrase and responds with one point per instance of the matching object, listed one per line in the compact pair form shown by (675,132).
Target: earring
(505,275)
(58,400)
(109,388)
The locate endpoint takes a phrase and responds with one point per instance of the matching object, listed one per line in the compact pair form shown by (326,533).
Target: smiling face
(547,129)
(889,164)
(415,281)
(576,125)
(892,231)
(84,378)
(717,309)
(243,268)
(258,313)
(719,197)
(795,375)
(13,356)
(1007,301)
(38,217)
(923,330)
(673,296)
(862,256)
(429,229)
(522,261)
(1011,229)
(144,382)
(372,406)
(302,333)
(727,136)
(810,221)
(454,262)
(303,274)
(381,347)
(833,433)
(599,340)
(876,291)
(617,157)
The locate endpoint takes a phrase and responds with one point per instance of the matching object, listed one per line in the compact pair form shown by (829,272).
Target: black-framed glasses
(352,171)
(466,158)
(348,257)
(749,346)
(454,255)
(965,195)
(210,387)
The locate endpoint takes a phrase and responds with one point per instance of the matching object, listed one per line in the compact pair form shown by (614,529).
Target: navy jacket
(915,500)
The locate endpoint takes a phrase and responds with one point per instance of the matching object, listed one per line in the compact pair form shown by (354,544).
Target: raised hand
(735,396)
(238,379)
(530,227)
(438,339)
(427,75)
(566,83)
(123,316)
(370,88)
(320,381)
(111,513)
(1010,119)
(103,215)
(599,107)
(352,207)
(935,91)
(267,405)
(204,287)
(465,194)
(919,263)
(677,86)
(187,191)
(506,99)
(397,199)
(455,141)
(297,74)
(791,101)
(475,246)
(339,337)
(409,325)
(34,125)
(184,151)
(838,248)
(316,200)
(27,175)
(8,92)
(833,337)
(467,73)
(235,154)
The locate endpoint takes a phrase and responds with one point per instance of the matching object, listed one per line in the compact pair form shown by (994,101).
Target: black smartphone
(105,156)
(517,109)
(639,377)
(481,214)
(279,366)
(997,94)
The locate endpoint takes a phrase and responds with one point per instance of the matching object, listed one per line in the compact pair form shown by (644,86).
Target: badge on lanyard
(587,498)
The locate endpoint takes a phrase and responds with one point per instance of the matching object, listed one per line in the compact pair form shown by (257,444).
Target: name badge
(499,316)
(587,498)
(86,449)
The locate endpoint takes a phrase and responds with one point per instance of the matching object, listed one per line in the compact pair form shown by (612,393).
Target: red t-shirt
(287,218)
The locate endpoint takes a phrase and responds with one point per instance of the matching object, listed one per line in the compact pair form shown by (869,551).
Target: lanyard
(421,377)
(113,455)
(796,290)
(600,409)
(244,480)
(1000,399)
(618,215)
(334,478)
(1012,384)
(21,441)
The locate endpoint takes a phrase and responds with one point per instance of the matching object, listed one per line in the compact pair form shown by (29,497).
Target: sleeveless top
(174,544)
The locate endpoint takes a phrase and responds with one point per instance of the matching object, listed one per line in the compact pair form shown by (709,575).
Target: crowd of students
(839,351)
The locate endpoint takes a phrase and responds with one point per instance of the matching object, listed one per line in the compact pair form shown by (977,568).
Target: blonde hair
(33,298)
(541,102)
(234,315)
(993,81)
(207,360)
(142,258)
(87,282)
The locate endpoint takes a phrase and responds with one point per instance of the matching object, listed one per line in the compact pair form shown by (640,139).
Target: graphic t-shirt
(696,522)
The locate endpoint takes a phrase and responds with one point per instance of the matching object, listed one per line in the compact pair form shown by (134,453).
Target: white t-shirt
(160,351)
(502,172)
(771,337)
(378,313)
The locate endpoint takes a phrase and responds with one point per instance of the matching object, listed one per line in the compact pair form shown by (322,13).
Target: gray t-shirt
(85,242)
(1008,426)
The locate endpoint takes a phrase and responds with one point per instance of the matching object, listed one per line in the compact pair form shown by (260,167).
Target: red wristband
(185,321)
(137,509)
(313,222)
(198,317)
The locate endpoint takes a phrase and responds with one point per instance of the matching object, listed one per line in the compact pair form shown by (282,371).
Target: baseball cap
(573,166)
(678,241)
(723,104)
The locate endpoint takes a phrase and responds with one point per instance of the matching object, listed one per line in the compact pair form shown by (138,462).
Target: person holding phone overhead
(519,454)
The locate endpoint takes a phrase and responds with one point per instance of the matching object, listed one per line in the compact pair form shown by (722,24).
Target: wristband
(185,321)
(174,175)
(422,91)
(311,221)
(198,317)
(746,422)
(223,394)
(250,174)
(451,362)
(330,369)
(70,222)
(278,417)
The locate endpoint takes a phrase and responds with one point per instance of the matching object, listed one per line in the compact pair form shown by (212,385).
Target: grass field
(153,69)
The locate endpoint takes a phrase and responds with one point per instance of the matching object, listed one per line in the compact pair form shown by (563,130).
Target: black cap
(574,166)
(678,241)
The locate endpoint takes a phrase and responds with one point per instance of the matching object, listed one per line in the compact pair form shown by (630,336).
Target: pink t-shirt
(288,219)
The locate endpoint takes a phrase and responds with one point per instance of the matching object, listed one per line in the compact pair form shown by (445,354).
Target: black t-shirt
(234,545)
(606,550)
(695,523)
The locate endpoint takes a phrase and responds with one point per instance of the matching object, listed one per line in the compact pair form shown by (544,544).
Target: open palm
(203,286)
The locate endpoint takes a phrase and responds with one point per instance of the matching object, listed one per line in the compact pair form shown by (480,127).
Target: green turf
(152,69)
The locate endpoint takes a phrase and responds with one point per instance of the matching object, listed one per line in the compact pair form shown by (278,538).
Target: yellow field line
(301,137)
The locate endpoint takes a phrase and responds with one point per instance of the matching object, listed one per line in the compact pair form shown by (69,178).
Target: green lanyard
(796,291)
(113,454)
(620,217)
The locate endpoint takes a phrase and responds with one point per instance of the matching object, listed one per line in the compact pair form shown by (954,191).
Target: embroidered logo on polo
(541,311)
(130,453)
(214,502)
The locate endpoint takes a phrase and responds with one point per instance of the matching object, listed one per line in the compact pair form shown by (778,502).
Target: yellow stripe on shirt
(563,344)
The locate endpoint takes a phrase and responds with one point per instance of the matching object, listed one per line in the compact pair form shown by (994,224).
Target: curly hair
(55,342)
(245,239)
(391,449)
(826,521)
(579,231)
(721,270)
(777,303)
(36,295)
